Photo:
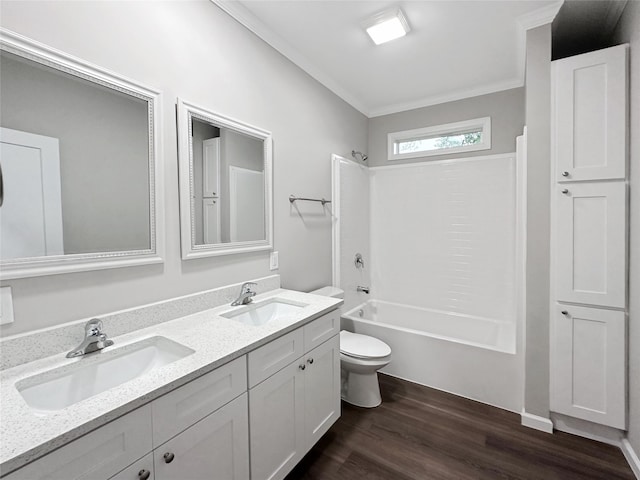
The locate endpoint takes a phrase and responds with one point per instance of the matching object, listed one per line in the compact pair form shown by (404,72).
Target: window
(467,136)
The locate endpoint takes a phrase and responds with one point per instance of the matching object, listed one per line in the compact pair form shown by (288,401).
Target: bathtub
(473,357)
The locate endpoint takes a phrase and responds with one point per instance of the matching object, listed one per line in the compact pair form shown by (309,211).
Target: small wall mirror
(225,184)
(78,171)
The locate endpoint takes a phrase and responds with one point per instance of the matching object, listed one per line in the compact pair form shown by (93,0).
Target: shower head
(363,157)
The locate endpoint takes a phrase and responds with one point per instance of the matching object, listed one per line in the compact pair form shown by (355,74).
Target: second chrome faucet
(246,294)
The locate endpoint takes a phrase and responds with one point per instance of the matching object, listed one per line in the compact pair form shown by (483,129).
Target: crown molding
(243,16)
(533,19)
(447,97)
(539,17)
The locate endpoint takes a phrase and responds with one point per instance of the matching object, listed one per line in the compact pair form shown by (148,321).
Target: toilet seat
(362,346)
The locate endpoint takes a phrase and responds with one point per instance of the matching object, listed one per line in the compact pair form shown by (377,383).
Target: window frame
(484,123)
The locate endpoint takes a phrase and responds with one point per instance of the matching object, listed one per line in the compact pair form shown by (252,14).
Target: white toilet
(361,356)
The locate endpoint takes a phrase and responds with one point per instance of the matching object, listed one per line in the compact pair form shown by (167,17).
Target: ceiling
(455,49)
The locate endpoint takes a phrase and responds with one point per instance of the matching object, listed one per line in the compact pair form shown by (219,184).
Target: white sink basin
(264,312)
(62,387)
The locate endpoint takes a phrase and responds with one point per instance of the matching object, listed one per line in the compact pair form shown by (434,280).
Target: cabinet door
(215,447)
(97,455)
(588,367)
(322,389)
(276,410)
(590,114)
(591,244)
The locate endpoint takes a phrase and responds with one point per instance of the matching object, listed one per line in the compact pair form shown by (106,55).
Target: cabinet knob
(310,361)
(564,312)
(565,174)
(144,474)
(302,366)
(168,457)
(565,191)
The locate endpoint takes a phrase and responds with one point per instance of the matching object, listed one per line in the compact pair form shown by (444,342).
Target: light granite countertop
(27,434)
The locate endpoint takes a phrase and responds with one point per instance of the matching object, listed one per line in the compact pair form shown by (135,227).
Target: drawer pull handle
(144,474)
(302,366)
(565,191)
(565,174)
(168,457)
(564,312)
(310,361)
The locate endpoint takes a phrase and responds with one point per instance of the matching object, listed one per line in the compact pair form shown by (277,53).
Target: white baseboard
(631,456)
(536,422)
(586,429)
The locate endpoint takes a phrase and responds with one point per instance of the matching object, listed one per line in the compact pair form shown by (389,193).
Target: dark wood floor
(421,433)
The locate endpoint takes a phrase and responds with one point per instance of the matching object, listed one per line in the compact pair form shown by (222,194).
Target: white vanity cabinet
(589,251)
(292,408)
(97,455)
(204,429)
(215,447)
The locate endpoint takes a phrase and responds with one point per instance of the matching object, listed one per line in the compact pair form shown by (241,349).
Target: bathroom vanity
(249,401)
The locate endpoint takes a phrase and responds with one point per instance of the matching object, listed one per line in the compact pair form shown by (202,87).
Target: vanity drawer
(268,359)
(181,408)
(321,329)
(98,454)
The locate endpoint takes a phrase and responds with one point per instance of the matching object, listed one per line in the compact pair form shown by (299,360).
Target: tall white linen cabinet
(589,236)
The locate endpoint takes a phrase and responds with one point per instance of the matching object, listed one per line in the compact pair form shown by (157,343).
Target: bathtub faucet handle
(363,289)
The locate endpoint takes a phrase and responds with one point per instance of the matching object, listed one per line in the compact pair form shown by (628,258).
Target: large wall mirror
(225,184)
(80,180)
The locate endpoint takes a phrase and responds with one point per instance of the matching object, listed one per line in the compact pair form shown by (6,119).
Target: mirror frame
(186,113)
(58,264)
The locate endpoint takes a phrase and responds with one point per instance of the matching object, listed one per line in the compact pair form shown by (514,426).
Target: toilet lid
(362,346)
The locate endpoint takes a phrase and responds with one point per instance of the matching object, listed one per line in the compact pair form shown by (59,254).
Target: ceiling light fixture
(387,26)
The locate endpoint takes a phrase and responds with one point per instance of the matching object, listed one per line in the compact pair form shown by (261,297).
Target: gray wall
(104,154)
(538,117)
(628,31)
(505,108)
(194,50)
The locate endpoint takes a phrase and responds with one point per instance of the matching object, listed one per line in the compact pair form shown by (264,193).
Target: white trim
(335,228)
(521,255)
(539,17)
(187,111)
(536,422)
(448,97)
(59,264)
(587,429)
(445,129)
(631,456)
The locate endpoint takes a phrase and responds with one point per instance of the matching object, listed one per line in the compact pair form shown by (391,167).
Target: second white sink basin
(64,386)
(264,312)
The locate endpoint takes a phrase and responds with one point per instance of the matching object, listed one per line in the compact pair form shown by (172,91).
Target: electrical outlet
(6,306)
(273,261)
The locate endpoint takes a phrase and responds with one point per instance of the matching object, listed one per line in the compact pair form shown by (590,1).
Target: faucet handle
(246,287)
(93,327)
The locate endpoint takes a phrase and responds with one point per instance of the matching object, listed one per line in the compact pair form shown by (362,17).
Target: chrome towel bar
(293,198)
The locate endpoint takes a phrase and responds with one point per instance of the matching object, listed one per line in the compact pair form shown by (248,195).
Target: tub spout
(363,289)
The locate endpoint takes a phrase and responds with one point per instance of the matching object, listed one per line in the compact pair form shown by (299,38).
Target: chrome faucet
(362,289)
(94,339)
(246,294)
